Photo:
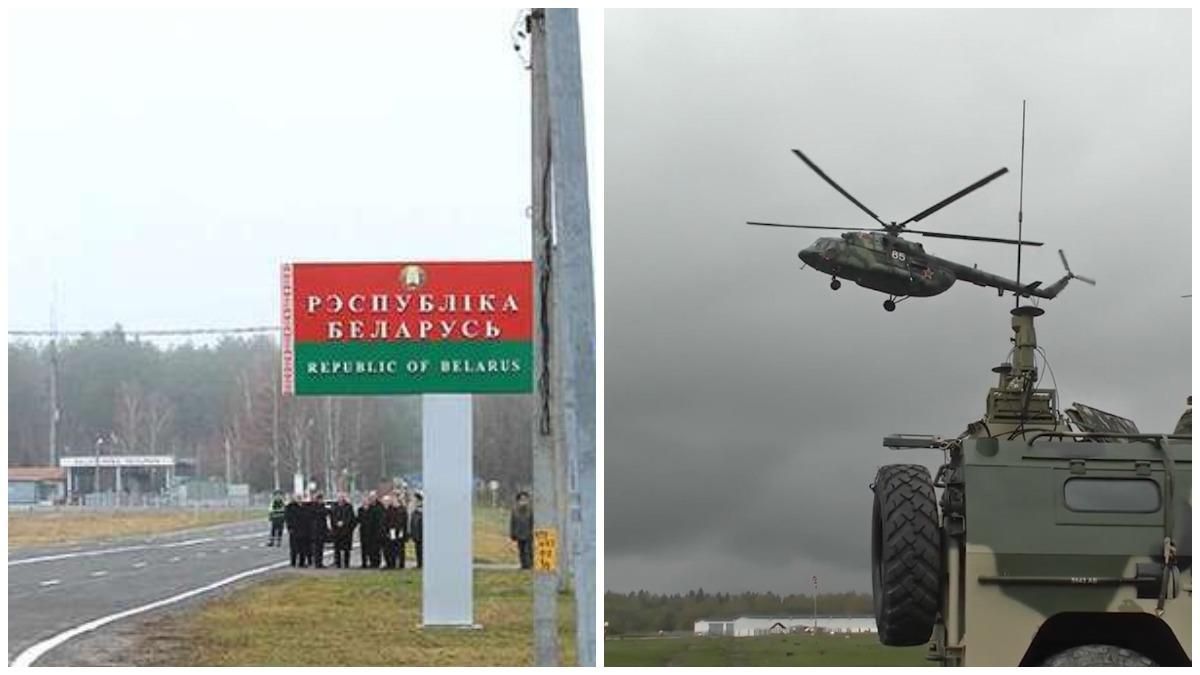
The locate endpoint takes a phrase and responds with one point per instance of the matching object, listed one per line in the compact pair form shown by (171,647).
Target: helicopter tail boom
(1035,289)
(1050,291)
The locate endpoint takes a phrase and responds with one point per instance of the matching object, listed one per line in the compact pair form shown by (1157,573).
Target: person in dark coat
(343,521)
(292,517)
(275,517)
(370,530)
(395,530)
(319,529)
(520,529)
(364,535)
(416,527)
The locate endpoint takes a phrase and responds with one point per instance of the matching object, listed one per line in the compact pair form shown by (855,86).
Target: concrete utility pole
(575,305)
(54,380)
(96,478)
(814,605)
(275,429)
(545,516)
(563,496)
(53,403)
(228,464)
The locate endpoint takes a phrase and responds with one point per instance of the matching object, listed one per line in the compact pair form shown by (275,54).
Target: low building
(714,627)
(36,484)
(138,474)
(749,626)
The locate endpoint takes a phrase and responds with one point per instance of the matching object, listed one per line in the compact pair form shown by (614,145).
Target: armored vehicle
(1047,537)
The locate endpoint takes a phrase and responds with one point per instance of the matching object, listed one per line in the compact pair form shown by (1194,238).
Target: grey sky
(745,401)
(163,163)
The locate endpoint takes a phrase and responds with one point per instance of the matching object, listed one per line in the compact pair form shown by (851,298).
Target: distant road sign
(407,328)
(117,460)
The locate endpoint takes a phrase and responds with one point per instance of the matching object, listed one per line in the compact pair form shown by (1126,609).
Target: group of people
(384,525)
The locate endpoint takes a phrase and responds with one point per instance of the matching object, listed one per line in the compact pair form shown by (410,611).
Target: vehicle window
(1112,495)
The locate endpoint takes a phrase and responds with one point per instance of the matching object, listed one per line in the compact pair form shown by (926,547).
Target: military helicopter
(878,258)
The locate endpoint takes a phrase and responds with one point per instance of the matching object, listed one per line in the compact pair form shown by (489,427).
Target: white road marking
(244,548)
(32,654)
(175,559)
(51,582)
(140,563)
(99,573)
(106,551)
(252,535)
(190,542)
(224,550)
(78,552)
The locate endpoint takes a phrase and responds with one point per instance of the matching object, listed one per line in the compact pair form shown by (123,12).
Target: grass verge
(70,526)
(491,542)
(350,618)
(770,650)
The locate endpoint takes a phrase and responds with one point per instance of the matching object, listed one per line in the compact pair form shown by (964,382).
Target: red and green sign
(360,329)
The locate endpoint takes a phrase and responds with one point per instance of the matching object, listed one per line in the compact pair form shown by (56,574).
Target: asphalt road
(56,589)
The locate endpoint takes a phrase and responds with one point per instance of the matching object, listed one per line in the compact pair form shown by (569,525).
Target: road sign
(117,460)
(353,329)
(545,549)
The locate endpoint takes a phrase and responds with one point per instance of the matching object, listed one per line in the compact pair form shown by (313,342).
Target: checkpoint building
(119,473)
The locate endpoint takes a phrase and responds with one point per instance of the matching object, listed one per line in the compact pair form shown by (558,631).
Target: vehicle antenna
(1021,202)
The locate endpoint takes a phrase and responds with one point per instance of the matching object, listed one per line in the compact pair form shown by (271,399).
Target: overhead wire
(153,332)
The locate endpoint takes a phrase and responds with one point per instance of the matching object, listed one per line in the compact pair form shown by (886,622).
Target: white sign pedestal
(447,595)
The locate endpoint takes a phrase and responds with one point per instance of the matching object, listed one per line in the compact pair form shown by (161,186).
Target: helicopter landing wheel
(835,284)
(889,305)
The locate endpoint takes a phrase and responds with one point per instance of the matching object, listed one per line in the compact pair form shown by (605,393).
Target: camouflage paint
(901,268)
(1018,524)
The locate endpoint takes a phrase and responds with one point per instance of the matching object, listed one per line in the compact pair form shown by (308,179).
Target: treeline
(642,612)
(195,401)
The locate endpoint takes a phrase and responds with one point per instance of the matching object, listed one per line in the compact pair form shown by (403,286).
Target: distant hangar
(750,626)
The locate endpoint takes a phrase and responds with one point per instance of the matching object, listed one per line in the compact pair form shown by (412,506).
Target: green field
(349,618)
(770,650)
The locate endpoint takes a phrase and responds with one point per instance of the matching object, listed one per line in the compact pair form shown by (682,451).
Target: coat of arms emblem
(413,277)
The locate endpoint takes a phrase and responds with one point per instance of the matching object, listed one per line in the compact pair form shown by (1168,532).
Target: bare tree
(130,412)
(159,414)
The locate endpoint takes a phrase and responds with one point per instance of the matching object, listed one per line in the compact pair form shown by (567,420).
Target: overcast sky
(162,164)
(745,400)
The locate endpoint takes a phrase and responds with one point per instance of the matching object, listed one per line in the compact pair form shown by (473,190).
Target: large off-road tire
(905,555)
(1098,655)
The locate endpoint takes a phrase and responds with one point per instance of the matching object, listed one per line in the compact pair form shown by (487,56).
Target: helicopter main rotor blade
(956,196)
(837,187)
(969,237)
(816,227)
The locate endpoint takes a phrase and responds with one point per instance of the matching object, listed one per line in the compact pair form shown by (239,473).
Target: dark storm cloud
(745,401)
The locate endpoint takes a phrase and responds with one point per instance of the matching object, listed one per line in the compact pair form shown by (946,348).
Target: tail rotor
(1072,275)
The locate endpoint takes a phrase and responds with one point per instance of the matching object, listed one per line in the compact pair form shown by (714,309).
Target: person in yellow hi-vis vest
(275,516)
